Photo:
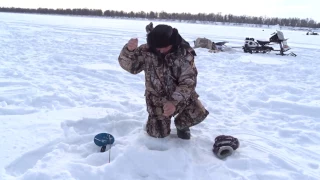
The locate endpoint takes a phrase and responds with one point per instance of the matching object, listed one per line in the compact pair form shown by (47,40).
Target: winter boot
(184,133)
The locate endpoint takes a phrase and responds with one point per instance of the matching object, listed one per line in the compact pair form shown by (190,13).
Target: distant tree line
(212,17)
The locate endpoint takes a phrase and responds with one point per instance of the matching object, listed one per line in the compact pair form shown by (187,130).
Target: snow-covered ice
(61,84)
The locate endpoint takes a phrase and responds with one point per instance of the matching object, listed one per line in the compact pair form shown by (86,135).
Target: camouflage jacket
(173,77)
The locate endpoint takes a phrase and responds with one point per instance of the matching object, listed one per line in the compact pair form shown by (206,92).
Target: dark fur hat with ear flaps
(162,36)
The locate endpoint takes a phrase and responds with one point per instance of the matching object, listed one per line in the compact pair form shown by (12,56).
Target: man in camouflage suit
(171,78)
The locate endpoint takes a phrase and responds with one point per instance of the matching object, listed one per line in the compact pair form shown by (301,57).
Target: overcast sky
(269,8)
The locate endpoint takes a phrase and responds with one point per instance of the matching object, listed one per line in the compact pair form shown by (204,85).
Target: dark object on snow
(251,45)
(184,133)
(224,146)
(312,33)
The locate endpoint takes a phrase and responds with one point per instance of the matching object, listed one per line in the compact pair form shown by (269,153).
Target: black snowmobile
(258,46)
(312,33)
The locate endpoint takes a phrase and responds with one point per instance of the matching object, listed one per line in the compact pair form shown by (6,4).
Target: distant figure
(170,80)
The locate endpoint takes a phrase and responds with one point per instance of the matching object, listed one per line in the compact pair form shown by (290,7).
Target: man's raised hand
(132,44)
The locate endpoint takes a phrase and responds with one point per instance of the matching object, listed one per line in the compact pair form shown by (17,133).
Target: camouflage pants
(159,126)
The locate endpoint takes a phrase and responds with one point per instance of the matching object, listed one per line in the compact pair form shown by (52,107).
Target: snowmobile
(256,46)
(251,45)
(312,33)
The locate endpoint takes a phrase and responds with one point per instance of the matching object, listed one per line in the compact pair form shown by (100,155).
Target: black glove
(225,145)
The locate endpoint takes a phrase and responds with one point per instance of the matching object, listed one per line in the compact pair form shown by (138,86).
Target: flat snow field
(61,84)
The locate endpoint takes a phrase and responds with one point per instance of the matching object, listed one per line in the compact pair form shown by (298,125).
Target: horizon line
(217,13)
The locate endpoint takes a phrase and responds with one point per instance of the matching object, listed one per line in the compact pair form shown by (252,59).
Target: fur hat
(162,36)
(225,145)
